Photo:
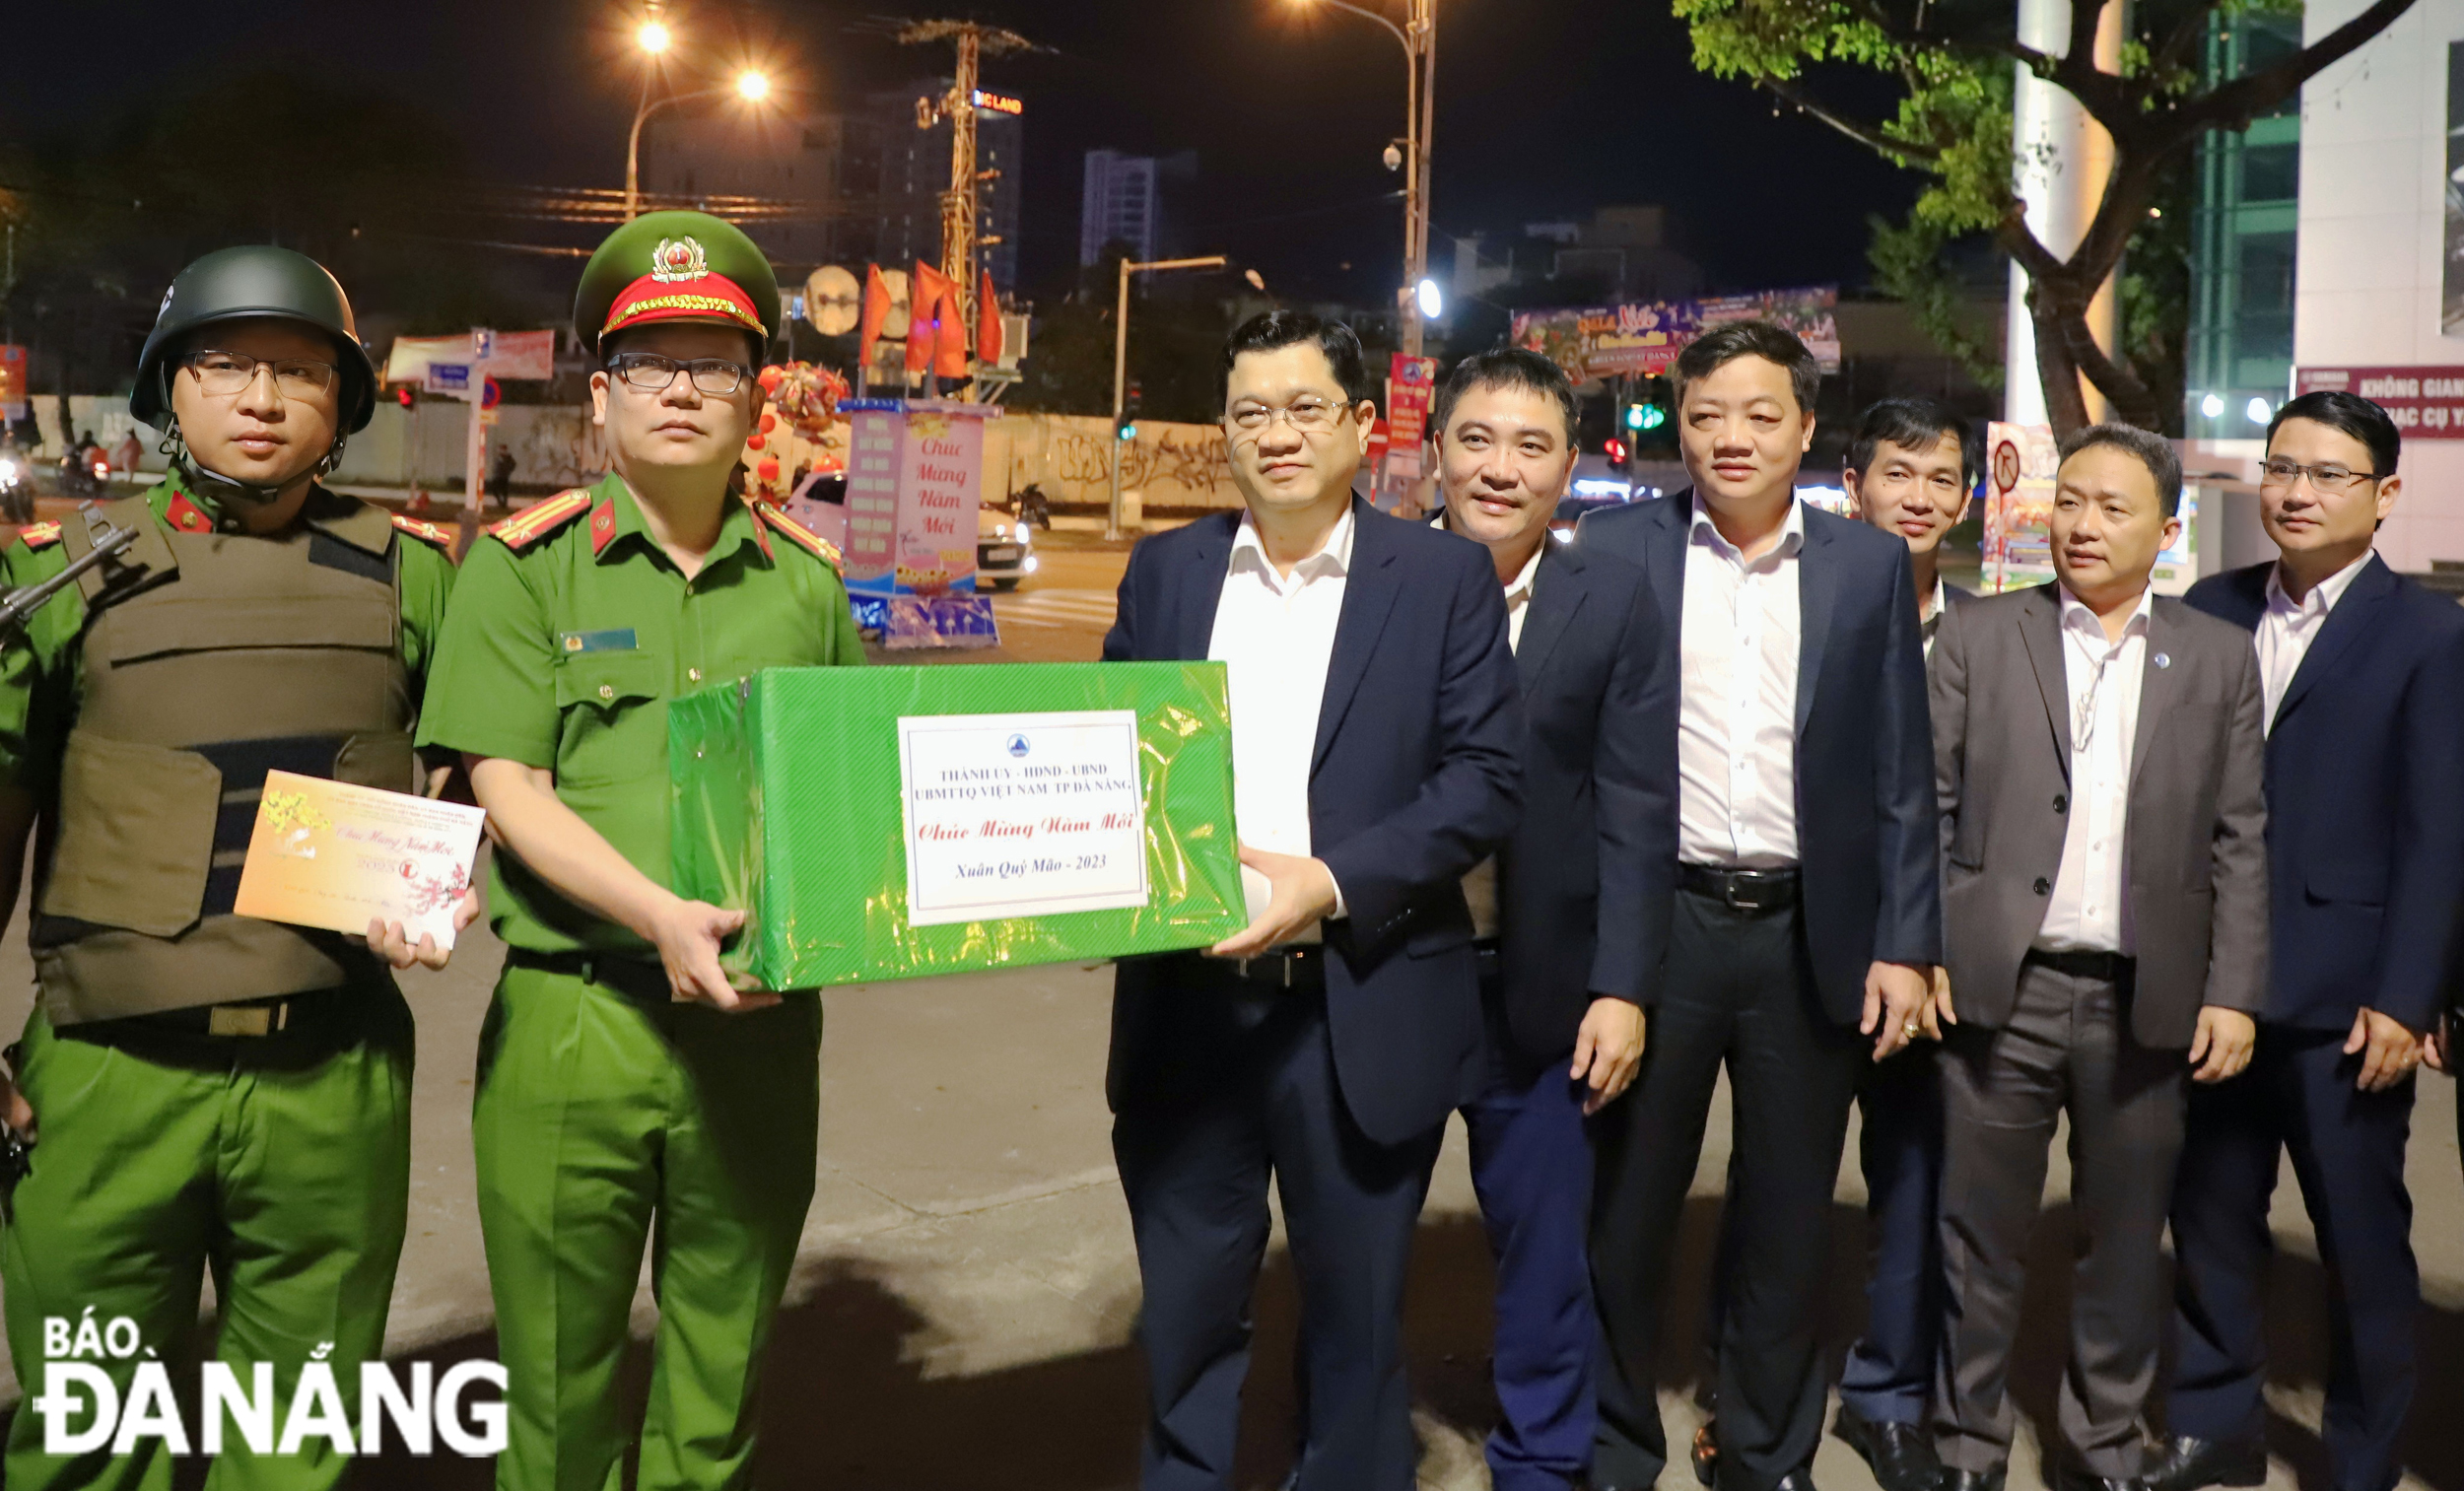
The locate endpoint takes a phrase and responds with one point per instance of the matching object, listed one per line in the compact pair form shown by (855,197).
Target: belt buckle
(246,1019)
(1739,888)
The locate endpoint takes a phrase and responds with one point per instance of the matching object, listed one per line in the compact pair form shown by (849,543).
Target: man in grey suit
(2100,760)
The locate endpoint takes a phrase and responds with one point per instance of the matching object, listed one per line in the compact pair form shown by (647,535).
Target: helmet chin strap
(257,494)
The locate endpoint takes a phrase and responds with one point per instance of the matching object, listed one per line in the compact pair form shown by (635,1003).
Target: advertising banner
(2425,403)
(1644,338)
(510,355)
(12,383)
(2020,465)
(937,513)
(1411,382)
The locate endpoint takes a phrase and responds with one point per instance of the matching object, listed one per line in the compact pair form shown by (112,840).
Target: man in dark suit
(2363,673)
(1557,911)
(1376,739)
(1795,906)
(2104,900)
(1910,466)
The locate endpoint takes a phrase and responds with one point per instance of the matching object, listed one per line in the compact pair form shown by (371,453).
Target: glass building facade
(2238,362)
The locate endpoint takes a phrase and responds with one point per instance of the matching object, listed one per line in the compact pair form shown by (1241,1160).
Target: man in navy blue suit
(2364,672)
(1794,913)
(1558,911)
(1376,744)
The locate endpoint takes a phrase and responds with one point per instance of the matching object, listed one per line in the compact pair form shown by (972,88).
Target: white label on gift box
(1021,815)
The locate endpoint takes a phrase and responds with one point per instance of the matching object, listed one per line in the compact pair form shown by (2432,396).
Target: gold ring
(1909,1030)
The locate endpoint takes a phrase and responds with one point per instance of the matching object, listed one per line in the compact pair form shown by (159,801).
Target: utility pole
(960,212)
(1418,35)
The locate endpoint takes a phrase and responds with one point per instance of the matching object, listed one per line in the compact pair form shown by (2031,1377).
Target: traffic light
(1129,430)
(1645,415)
(1633,416)
(402,396)
(1615,451)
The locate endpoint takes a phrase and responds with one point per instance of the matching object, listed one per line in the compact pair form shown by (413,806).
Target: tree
(1954,63)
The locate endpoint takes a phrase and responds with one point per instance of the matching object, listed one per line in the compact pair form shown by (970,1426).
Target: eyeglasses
(2326,477)
(227,375)
(653,373)
(1307,416)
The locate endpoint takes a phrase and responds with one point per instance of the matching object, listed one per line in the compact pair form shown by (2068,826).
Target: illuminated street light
(653,37)
(2211,406)
(1432,304)
(752,86)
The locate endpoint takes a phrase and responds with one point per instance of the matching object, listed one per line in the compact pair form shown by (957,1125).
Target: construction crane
(959,212)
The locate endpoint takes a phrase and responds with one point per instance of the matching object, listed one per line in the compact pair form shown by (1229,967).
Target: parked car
(1005,549)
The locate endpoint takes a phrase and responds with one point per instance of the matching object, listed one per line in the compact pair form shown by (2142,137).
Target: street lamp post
(1121,363)
(1418,37)
(752,87)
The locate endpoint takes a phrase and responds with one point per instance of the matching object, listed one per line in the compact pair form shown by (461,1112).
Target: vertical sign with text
(936,528)
(872,498)
(1410,385)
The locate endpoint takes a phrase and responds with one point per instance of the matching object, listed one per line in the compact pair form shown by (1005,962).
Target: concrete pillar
(2063,159)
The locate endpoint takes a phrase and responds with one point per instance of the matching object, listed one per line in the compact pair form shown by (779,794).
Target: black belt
(1294,967)
(625,976)
(1750,891)
(2109,968)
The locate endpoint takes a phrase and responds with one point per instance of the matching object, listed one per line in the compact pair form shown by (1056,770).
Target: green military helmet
(676,266)
(254,280)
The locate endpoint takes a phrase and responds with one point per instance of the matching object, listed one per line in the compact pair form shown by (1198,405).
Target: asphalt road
(961,1314)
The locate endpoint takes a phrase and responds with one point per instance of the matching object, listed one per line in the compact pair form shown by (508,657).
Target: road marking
(1055,610)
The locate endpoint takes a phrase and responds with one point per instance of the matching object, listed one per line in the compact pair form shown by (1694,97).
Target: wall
(1174,467)
(2368,282)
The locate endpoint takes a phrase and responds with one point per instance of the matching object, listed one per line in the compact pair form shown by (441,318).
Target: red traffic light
(402,396)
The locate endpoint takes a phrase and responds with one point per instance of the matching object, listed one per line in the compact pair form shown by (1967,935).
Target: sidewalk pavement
(962,1310)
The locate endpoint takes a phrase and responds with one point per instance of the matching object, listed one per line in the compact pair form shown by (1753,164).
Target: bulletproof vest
(208,659)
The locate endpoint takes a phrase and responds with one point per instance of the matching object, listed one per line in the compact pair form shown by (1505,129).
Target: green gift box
(889,823)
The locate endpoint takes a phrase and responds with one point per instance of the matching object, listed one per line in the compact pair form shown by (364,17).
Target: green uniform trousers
(598,1113)
(283,1163)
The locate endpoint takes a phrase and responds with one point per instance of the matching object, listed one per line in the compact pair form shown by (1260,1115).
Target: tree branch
(2175,48)
(2233,105)
(2084,16)
(1900,152)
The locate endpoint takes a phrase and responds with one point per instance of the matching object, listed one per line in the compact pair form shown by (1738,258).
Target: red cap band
(700,297)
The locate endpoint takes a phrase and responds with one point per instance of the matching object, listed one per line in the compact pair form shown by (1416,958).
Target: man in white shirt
(1376,742)
(1793,917)
(1558,910)
(2104,903)
(2363,678)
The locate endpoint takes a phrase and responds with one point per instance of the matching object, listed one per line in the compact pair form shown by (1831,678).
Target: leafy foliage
(1956,64)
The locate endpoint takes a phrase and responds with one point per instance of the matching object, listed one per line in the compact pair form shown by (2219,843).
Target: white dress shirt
(2090,910)
(1479,883)
(1276,635)
(1736,712)
(2287,628)
(1933,618)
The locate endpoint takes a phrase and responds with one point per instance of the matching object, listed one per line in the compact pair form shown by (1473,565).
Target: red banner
(1410,384)
(2425,403)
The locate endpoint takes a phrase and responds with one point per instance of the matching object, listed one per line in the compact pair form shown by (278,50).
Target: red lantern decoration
(769,422)
(752,442)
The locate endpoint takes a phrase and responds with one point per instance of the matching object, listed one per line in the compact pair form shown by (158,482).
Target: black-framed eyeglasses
(653,373)
(2327,476)
(227,375)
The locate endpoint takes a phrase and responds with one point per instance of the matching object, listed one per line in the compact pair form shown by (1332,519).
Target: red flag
(925,292)
(949,333)
(987,324)
(876,315)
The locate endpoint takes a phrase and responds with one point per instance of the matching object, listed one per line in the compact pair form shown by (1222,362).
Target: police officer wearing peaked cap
(212,1090)
(627,1089)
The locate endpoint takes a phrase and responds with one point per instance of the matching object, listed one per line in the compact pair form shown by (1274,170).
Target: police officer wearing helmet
(625,1082)
(206,1089)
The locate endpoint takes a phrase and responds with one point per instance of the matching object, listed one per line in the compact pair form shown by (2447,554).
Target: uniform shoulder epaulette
(39,535)
(797,534)
(435,533)
(540,519)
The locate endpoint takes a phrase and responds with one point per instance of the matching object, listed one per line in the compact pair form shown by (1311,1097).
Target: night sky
(1546,108)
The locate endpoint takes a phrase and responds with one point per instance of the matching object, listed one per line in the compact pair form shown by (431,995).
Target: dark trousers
(1737,990)
(1240,1091)
(2067,1048)
(2348,1153)
(1888,1378)
(1531,1165)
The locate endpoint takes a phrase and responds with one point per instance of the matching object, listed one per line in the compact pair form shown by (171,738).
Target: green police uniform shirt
(40,671)
(570,631)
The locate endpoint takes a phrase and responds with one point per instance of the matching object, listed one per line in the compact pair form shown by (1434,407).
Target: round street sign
(490,394)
